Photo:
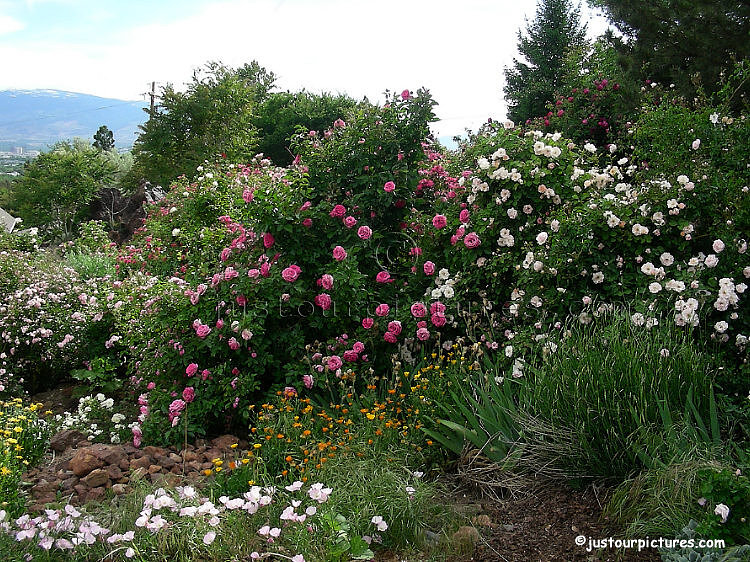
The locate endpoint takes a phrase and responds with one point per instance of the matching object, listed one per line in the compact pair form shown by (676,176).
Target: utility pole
(153,96)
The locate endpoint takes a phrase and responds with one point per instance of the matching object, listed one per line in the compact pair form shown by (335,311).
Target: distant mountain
(36,119)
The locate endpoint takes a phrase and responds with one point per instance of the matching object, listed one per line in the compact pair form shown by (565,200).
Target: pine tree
(685,42)
(531,82)
(104,139)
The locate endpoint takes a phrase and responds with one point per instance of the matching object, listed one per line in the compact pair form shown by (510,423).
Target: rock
(68,483)
(154,468)
(43,487)
(143,462)
(175,457)
(84,461)
(482,520)
(465,539)
(94,494)
(120,489)
(170,480)
(97,478)
(65,439)
(138,474)
(224,441)
(154,451)
(191,456)
(110,454)
(124,464)
(114,472)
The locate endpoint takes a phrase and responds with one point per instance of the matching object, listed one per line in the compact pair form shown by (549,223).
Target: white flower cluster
(444,286)
(93,417)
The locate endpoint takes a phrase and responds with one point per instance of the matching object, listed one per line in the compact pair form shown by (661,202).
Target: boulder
(84,461)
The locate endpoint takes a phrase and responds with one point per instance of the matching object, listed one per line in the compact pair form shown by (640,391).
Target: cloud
(456,50)
(10,25)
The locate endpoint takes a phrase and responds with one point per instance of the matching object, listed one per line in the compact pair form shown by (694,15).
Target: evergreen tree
(104,140)
(688,43)
(531,82)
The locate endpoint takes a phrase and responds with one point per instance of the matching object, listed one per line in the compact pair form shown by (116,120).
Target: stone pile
(79,471)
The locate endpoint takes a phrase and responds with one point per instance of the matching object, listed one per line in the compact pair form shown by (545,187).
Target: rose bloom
(429,268)
(308,381)
(358,347)
(423,334)
(350,221)
(390,337)
(334,362)
(418,310)
(437,308)
(323,300)
(439,221)
(382,309)
(268,240)
(202,331)
(383,277)
(463,216)
(234,345)
(188,395)
(339,254)
(191,369)
(718,246)
(394,326)
(327,281)
(364,232)
(350,356)
(338,211)
(472,240)
(307,223)
(367,323)
(438,320)
(291,273)
(389,186)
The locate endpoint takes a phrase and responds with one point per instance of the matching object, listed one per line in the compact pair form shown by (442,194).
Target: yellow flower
(370,417)
(4,471)
(233,446)
(257,446)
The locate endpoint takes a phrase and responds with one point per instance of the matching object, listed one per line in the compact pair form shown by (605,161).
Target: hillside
(34,119)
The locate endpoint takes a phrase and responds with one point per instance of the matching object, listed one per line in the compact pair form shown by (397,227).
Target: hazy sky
(457,49)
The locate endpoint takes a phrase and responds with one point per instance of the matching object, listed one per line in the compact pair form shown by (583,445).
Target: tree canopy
(689,43)
(213,116)
(531,82)
(56,187)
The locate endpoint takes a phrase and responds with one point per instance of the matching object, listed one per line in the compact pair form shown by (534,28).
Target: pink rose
(327,282)
(390,337)
(268,240)
(191,369)
(264,269)
(463,216)
(305,206)
(395,327)
(338,211)
(334,362)
(253,273)
(367,323)
(437,308)
(291,273)
(382,309)
(247,195)
(358,347)
(350,356)
(137,435)
(230,273)
(202,331)
(350,221)
(233,344)
(405,95)
(225,253)
(188,395)
(308,381)
(323,300)
(438,320)
(339,254)
(472,240)
(364,232)
(423,334)
(418,310)
(429,268)
(383,277)
(439,221)
(307,223)
(389,186)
